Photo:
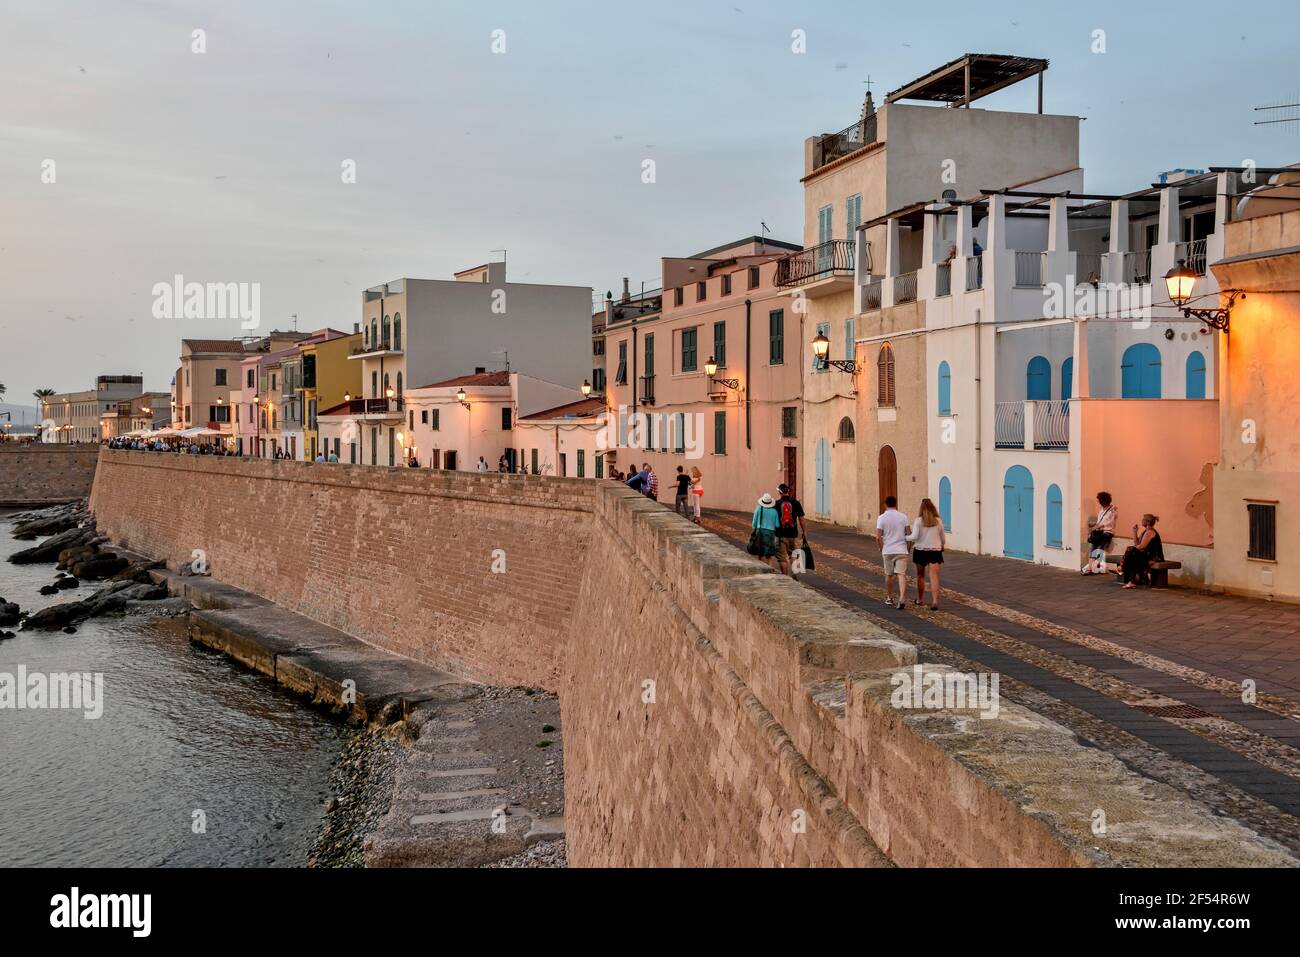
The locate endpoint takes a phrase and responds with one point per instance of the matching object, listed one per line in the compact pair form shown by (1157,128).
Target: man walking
(891,536)
(683,492)
(790,529)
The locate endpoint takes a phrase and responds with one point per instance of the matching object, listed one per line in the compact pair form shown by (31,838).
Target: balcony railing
(1193,254)
(833,258)
(1009,425)
(871,295)
(647,390)
(1052,424)
(379,345)
(974,272)
(905,287)
(943,279)
(1087,269)
(833,146)
(1029,268)
(1137,268)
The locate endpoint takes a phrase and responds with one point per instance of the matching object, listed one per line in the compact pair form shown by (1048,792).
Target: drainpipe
(748,305)
(979,446)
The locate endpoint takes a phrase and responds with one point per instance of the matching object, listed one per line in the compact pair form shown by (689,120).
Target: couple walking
(778,529)
(927,538)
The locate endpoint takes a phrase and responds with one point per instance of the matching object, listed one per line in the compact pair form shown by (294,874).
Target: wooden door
(792,469)
(888,475)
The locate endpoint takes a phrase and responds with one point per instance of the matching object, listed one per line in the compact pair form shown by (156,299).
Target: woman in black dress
(1146,548)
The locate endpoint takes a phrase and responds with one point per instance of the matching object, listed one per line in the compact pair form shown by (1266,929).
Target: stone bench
(1159,570)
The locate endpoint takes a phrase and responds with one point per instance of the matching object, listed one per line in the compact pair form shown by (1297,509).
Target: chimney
(480,370)
(626,292)
(356,327)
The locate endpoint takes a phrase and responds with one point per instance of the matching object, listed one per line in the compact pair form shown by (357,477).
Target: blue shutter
(1054,510)
(1140,372)
(945,503)
(945,389)
(1038,379)
(1067,379)
(850,328)
(1196,376)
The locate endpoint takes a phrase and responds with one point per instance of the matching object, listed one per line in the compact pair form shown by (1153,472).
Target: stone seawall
(714,713)
(45,474)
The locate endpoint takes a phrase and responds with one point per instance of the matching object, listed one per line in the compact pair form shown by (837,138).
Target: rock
(137,571)
(50,522)
(6,635)
(69,581)
(70,629)
(102,566)
(111,597)
(10,613)
(169,607)
(48,590)
(48,550)
(76,553)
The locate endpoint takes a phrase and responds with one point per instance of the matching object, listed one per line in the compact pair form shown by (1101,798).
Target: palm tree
(42,395)
(3,388)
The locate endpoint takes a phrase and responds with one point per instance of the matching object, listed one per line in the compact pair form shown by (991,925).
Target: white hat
(766,501)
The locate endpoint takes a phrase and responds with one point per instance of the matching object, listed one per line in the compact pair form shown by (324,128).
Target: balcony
(943,279)
(905,287)
(647,390)
(833,146)
(1087,269)
(871,295)
(374,408)
(386,347)
(1049,424)
(974,272)
(1135,267)
(821,270)
(1029,269)
(1009,425)
(1193,254)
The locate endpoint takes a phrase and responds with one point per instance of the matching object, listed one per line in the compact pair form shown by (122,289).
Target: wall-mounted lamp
(711,370)
(586,387)
(1181,279)
(460,397)
(821,350)
(347,396)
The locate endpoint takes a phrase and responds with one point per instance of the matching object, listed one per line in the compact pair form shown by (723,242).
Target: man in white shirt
(482,465)
(891,536)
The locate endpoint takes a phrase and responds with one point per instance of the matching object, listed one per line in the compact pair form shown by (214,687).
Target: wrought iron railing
(1137,267)
(833,146)
(943,279)
(1052,424)
(833,258)
(1029,268)
(1009,425)
(1087,269)
(1193,254)
(974,272)
(905,287)
(871,295)
(647,390)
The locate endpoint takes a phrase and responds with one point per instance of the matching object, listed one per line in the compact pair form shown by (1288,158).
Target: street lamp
(586,387)
(711,370)
(460,397)
(821,350)
(1181,280)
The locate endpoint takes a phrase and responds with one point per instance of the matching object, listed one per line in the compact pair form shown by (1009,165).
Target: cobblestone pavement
(1153,676)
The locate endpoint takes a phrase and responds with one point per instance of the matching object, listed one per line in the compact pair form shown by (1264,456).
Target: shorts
(927,556)
(895,564)
(786,547)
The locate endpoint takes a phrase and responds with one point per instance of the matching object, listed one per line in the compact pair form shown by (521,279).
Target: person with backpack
(762,536)
(790,528)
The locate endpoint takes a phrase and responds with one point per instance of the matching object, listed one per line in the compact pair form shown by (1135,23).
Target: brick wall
(714,713)
(42,474)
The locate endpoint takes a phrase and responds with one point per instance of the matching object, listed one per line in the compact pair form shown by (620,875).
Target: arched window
(1140,372)
(1196,376)
(374,333)
(385,384)
(1038,379)
(1054,511)
(846,433)
(397,332)
(885,377)
(945,503)
(388,331)
(1067,379)
(399,385)
(945,389)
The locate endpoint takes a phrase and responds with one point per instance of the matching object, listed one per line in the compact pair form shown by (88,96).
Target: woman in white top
(927,550)
(697,490)
(1100,536)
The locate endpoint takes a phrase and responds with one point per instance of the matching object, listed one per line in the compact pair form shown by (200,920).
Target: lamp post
(821,350)
(711,370)
(586,388)
(1181,280)
(460,397)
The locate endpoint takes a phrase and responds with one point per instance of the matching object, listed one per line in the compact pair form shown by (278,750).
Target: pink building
(739,423)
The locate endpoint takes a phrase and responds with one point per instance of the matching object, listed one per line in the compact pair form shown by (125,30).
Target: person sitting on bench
(1146,548)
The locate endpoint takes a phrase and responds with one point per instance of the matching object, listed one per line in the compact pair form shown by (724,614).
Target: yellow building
(327,376)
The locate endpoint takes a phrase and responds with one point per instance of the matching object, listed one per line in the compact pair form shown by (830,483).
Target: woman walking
(1100,535)
(762,538)
(927,550)
(1146,548)
(697,490)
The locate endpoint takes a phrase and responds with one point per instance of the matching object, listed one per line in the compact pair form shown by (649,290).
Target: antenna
(294,319)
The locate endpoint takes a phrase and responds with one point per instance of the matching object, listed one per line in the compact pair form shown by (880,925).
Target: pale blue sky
(225,166)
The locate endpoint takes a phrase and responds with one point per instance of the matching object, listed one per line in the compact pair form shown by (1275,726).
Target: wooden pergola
(969,77)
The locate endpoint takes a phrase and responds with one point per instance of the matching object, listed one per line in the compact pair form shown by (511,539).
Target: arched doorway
(887,474)
(1018,514)
(822,466)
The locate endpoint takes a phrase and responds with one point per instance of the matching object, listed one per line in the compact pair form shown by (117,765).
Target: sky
(227,165)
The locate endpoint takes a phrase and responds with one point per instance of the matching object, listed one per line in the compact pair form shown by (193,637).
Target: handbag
(1099,539)
(755,546)
(808,562)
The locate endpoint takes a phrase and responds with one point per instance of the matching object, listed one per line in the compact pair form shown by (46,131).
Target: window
(273,381)
(1038,379)
(753,277)
(678,296)
(620,377)
(719,433)
(850,333)
(250,378)
(701,291)
(388,331)
(1196,376)
(945,389)
(852,213)
(598,347)
(218,413)
(776,337)
(1263,531)
(598,380)
(846,433)
(885,377)
(726,284)
(788,421)
(582,463)
(533,462)
(945,503)
(505,420)
(434,416)
(689,350)
(649,356)
(720,343)
(397,330)
(600,465)
(679,429)
(1067,378)
(1140,372)
(399,384)
(221,377)
(424,416)
(1054,509)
